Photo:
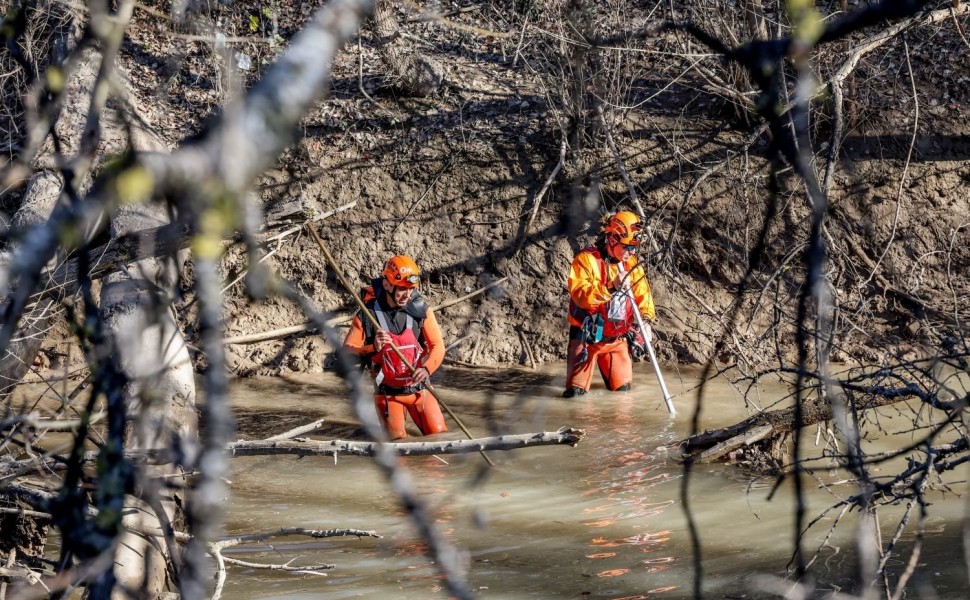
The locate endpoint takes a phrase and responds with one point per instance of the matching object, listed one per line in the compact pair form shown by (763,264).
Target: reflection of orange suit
(394,402)
(599,319)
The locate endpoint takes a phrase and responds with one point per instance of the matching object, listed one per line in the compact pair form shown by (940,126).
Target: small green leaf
(55,79)
(134,185)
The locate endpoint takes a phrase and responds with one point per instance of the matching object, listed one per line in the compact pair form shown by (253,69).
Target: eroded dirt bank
(463,181)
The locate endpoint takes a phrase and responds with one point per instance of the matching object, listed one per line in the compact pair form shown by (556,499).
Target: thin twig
(542,192)
(426,192)
(902,178)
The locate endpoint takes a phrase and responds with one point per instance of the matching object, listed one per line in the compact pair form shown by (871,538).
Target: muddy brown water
(605,519)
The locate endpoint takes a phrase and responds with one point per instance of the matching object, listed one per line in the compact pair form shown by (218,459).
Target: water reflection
(600,520)
(625,514)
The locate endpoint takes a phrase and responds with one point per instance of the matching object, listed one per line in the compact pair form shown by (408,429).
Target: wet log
(771,426)
(567,436)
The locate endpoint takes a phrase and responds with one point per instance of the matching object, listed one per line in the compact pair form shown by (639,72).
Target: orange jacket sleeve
(433,341)
(585,282)
(354,342)
(641,289)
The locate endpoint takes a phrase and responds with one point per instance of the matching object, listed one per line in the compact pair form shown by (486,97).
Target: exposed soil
(453,179)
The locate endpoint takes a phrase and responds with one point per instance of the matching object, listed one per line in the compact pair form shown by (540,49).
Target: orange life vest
(391,375)
(394,373)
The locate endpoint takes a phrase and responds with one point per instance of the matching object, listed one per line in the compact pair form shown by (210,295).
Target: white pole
(628,289)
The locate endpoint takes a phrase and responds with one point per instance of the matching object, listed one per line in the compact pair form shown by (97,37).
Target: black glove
(638,349)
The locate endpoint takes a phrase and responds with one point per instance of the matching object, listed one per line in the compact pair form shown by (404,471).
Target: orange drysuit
(393,402)
(600,316)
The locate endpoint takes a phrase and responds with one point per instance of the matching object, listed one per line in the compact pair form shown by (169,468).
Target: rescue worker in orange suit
(408,323)
(606,284)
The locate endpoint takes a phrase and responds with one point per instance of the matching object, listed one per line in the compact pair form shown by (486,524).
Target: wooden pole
(364,311)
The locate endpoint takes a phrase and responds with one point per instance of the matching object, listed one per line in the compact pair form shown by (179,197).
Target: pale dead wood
(307,569)
(28,576)
(459,341)
(565,436)
(283,444)
(220,573)
(360,75)
(292,433)
(527,347)
(310,221)
(956,22)
(23,512)
(470,295)
(216,548)
(273,334)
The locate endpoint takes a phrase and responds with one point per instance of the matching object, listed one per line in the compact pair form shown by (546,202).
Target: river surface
(604,519)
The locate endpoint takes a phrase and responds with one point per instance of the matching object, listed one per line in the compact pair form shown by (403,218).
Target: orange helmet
(625,226)
(402,271)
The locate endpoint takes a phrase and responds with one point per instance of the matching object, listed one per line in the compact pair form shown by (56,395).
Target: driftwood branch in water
(216,548)
(251,538)
(567,435)
(301,447)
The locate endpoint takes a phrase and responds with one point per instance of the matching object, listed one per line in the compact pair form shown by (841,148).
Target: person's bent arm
(585,284)
(434,343)
(355,341)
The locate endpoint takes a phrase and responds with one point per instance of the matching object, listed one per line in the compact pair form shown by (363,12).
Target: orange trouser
(612,358)
(422,407)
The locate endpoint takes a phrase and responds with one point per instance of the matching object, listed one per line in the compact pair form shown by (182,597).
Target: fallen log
(303,447)
(769,427)
(567,435)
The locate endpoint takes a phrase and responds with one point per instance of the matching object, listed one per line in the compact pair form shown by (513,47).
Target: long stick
(364,310)
(628,289)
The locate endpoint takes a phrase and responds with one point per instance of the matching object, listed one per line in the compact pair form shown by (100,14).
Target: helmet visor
(404,281)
